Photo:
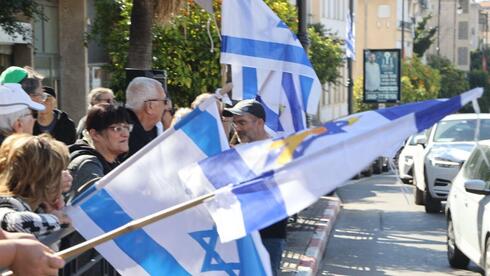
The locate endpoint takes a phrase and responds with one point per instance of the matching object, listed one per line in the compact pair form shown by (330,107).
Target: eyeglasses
(165,101)
(109,101)
(42,96)
(121,128)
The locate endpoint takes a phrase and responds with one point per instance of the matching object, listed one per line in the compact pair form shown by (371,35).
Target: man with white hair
(146,100)
(17,110)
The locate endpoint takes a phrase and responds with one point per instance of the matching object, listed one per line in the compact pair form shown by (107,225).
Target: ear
(94,134)
(17,127)
(148,107)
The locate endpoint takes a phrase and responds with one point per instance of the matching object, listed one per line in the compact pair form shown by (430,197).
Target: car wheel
(456,258)
(377,166)
(432,205)
(418,196)
(368,172)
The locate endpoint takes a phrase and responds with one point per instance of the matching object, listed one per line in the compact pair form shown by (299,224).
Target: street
(381,232)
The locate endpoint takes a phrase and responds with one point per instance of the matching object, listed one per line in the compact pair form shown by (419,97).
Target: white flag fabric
(184,244)
(350,41)
(263,182)
(269,64)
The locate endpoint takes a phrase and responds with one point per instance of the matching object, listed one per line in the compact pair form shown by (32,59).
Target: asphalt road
(381,232)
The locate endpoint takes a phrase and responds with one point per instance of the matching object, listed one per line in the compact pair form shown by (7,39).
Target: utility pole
(302,33)
(350,85)
(438,27)
(403,28)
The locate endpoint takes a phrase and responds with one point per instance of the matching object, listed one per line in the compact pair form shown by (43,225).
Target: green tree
(479,78)
(476,59)
(12,9)
(424,36)
(419,81)
(326,54)
(183,46)
(453,80)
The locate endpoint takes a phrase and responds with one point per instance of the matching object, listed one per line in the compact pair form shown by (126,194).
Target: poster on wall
(382,69)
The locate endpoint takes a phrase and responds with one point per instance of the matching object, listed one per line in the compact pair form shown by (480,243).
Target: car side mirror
(476,186)
(420,140)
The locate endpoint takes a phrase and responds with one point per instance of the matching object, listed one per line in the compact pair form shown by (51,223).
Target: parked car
(468,212)
(447,146)
(405,159)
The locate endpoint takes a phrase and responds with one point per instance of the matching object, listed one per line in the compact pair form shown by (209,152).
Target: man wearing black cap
(248,122)
(54,121)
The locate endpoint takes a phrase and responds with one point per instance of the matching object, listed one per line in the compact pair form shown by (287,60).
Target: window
(463,30)
(463,56)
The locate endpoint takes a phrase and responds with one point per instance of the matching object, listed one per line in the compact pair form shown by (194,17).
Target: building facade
(332,14)
(57,49)
(458,30)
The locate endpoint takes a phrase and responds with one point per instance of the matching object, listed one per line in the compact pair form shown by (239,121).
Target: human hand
(62,217)
(66,180)
(18,235)
(34,258)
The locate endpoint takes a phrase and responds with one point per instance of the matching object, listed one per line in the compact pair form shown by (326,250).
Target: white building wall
(333,102)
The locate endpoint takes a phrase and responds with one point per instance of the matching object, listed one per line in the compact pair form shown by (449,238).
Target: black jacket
(139,137)
(64,130)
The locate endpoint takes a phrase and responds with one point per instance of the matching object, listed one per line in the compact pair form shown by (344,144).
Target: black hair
(101,116)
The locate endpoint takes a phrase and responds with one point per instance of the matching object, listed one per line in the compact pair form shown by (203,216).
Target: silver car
(447,146)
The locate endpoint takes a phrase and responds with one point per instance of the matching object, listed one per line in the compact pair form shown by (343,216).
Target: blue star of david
(212,260)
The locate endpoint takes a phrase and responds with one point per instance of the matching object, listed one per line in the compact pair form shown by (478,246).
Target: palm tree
(144,14)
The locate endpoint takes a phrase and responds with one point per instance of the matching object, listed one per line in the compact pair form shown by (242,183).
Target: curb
(308,264)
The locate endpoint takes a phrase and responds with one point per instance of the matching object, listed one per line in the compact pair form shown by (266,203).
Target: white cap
(13,98)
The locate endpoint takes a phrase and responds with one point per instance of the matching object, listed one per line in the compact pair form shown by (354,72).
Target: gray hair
(141,89)
(7,121)
(94,94)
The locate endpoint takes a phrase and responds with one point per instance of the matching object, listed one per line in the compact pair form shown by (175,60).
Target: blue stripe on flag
(426,118)
(249,266)
(262,194)
(138,245)
(202,128)
(271,118)
(395,112)
(236,169)
(296,111)
(250,86)
(426,113)
(305,83)
(264,49)
(84,194)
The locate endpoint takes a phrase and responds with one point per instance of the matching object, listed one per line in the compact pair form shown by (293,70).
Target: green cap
(13,74)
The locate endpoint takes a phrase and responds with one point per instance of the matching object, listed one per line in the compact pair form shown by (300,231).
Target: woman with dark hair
(105,138)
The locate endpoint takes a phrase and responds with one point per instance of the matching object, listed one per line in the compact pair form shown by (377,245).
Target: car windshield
(461,131)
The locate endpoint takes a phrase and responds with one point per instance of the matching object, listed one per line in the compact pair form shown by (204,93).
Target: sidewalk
(308,236)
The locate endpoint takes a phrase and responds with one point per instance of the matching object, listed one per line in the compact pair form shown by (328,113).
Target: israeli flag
(269,64)
(350,41)
(184,244)
(280,177)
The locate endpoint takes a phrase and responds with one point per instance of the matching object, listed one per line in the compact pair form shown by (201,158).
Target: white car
(468,212)
(405,159)
(448,145)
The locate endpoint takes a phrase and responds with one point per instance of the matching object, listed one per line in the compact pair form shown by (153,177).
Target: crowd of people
(46,161)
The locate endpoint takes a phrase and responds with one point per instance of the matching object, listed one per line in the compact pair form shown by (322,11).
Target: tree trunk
(140,35)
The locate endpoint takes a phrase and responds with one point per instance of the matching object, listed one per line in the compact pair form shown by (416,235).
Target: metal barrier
(89,263)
